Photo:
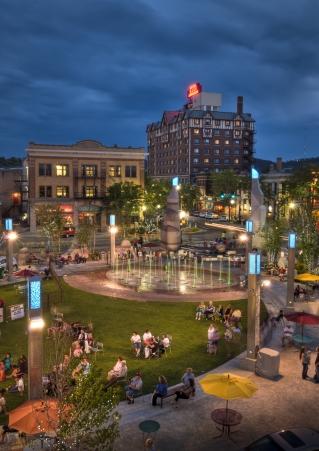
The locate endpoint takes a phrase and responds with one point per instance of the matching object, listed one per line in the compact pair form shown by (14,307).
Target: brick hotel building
(200,139)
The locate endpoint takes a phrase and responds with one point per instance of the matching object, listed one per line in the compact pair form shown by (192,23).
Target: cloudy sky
(104,69)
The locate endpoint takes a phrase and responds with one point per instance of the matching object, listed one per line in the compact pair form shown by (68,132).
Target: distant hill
(263,165)
(12,162)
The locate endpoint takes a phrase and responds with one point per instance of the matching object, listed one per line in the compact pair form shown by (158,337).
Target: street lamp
(35,338)
(113,231)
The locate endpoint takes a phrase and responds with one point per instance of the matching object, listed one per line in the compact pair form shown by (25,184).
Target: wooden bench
(171,392)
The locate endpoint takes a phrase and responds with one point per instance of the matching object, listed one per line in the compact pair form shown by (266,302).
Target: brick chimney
(279,164)
(240,105)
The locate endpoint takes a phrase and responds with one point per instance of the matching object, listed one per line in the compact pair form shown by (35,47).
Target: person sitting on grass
(78,351)
(2,372)
(209,311)
(147,336)
(186,391)
(165,342)
(83,367)
(119,370)
(3,403)
(134,387)
(200,311)
(160,390)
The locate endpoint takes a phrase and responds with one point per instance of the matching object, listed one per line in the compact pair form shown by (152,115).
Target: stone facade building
(76,177)
(12,196)
(200,139)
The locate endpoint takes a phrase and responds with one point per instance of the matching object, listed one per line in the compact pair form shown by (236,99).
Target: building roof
(85,145)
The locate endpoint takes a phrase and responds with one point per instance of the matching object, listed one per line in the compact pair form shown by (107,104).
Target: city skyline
(106,70)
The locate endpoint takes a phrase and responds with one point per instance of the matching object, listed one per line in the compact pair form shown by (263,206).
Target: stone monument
(171,229)
(258,209)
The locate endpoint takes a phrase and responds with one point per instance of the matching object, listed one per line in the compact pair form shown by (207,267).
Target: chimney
(240,104)
(279,164)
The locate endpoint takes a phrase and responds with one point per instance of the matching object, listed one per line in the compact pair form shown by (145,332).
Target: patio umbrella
(26,273)
(151,245)
(35,417)
(228,386)
(303,318)
(307,277)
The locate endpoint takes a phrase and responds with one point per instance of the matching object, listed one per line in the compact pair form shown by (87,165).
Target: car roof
(297,439)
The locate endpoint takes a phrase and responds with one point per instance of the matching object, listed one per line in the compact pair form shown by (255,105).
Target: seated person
(199,312)
(7,362)
(209,311)
(137,343)
(153,345)
(134,387)
(83,367)
(211,332)
(15,372)
(3,408)
(118,370)
(160,390)
(228,334)
(188,376)
(78,351)
(2,372)
(186,391)
(165,342)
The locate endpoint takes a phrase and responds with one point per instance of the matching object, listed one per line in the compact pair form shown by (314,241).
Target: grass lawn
(113,322)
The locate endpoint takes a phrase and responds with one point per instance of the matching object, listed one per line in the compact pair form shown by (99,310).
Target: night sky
(104,69)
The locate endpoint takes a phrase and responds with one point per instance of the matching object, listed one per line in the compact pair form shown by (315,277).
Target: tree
(155,195)
(52,223)
(272,239)
(92,423)
(86,235)
(125,201)
(190,196)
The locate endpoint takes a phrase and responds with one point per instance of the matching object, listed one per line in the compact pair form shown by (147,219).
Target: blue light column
(8,227)
(35,338)
(249,243)
(253,308)
(113,231)
(292,239)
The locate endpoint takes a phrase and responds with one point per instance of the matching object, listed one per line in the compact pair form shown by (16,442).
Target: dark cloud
(103,69)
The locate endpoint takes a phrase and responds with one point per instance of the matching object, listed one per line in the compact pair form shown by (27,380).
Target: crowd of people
(149,345)
(15,372)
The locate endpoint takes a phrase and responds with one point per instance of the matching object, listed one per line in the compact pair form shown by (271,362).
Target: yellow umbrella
(228,386)
(307,277)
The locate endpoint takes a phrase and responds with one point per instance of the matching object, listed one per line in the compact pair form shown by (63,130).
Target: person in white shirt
(147,336)
(118,370)
(287,335)
(20,385)
(137,343)
(166,342)
(211,332)
(3,402)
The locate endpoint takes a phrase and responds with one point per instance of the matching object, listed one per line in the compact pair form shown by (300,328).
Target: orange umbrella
(35,417)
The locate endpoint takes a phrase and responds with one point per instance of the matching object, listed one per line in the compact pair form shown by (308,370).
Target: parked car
(68,231)
(3,263)
(211,216)
(202,214)
(222,218)
(195,213)
(299,439)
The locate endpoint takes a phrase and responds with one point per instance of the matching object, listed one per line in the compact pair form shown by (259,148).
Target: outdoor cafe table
(226,418)
(299,339)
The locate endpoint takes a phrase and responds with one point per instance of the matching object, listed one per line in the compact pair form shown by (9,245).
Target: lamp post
(253,310)
(35,338)
(113,231)
(291,268)
(11,236)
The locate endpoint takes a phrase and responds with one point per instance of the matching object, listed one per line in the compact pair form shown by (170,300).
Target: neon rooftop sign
(194,89)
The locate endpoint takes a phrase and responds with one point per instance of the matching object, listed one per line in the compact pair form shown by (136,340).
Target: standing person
(3,403)
(160,390)
(20,385)
(305,363)
(2,371)
(7,362)
(137,343)
(317,366)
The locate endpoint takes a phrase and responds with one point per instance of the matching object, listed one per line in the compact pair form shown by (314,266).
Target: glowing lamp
(292,240)
(36,324)
(254,263)
(12,236)
(175,182)
(8,224)
(249,226)
(254,174)
(112,220)
(34,293)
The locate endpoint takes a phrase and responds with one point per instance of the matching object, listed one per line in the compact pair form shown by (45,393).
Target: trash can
(267,364)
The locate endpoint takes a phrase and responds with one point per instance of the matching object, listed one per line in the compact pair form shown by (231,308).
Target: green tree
(52,222)
(86,235)
(272,240)
(91,421)
(125,201)
(155,195)
(190,196)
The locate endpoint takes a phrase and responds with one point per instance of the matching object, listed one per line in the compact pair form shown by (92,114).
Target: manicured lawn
(113,322)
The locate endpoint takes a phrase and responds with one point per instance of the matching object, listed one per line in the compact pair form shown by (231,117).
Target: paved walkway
(286,403)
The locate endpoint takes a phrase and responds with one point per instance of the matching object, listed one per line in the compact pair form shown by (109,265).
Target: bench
(171,392)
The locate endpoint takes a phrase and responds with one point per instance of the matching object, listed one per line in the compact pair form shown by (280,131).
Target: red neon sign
(194,89)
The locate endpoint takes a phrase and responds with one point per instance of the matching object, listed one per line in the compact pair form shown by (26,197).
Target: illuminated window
(89,191)
(196,121)
(236,141)
(206,141)
(45,169)
(196,131)
(238,123)
(130,171)
(195,160)
(206,160)
(89,170)
(62,191)
(196,150)
(227,142)
(208,121)
(236,161)
(216,141)
(196,141)
(115,171)
(227,123)
(237,133)
(62,170)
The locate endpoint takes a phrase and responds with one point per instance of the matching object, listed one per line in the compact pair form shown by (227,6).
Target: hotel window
(206,141)
(226,161)
(196,131)
(236,161)
(227,133)
(45,191)
(89,191)
(216,160)
(226,152)
(62,191)
(115,171)
(237,133)
(217,132)
(216,141)
(237,123)
(130,171)
(196,150)
(45,169)
(227,123)
(227,142)
(196,121)
(206,151)
(217,123)
(195,160)
(62,170)
(236,141)
(196,141)
(206,160)
(236,152)
(208,121)
(216,151)
(89,170)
